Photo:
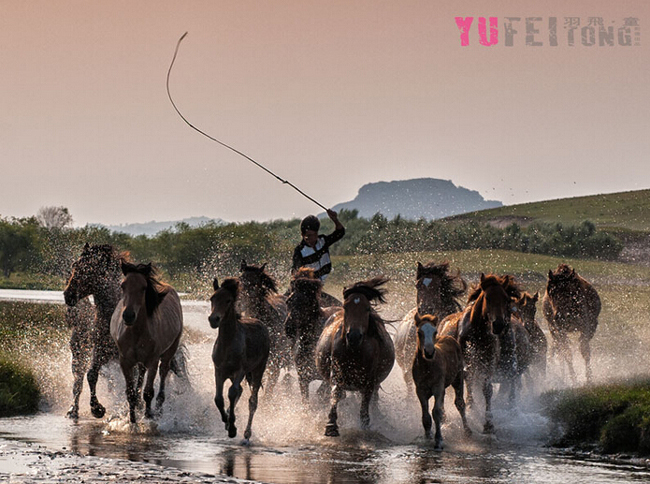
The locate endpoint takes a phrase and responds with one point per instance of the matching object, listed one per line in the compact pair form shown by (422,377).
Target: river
(288,445)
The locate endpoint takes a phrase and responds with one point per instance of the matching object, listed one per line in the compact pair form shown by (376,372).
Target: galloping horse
(305,321)
(240,351)
(97,272)
(146,326)
(571,304)
(477,329)
(355,352)
(437,293)
(259,300)
(438,363)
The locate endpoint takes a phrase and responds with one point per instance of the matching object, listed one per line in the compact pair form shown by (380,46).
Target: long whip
(286,182)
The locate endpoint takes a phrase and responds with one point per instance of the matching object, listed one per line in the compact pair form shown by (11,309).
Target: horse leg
(332,429)
(366,396)
(438,411)
(148,392)
(488,428)
(131,393)
(585,350)
(303,382)
(79,346)
(218,398)
(234,392)
(100,358)
(255,382)
(160,398)
(272,375)
(423,396)
(459,401)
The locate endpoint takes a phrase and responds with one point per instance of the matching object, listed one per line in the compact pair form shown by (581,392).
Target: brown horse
(437,293)
(305,321)
(146,326)
(571,305)
(260,300)
(97,272)
(355,352)
(526,309)
(477,329)
(240,351)
(438,363)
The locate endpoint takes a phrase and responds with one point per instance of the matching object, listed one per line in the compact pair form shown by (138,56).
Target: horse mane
(155,292)
(370,289)
(231,285)
(452,286)
(507,282)
(109,255)
(268,283)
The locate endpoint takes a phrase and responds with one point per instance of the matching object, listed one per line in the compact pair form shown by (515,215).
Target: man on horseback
(313,250)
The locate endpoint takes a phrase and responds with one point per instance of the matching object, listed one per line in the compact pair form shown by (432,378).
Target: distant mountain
(153,227)
(429,198)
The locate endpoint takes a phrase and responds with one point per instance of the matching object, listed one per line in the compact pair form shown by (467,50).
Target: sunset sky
(330,95)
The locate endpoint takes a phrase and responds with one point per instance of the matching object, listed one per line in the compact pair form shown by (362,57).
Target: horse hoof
(488,428)
(245,443)
(73,413)
(232,431)
(98,411)
(331,431)
(438,447)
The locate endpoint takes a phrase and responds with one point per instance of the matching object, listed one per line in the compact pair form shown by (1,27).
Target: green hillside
(624,211)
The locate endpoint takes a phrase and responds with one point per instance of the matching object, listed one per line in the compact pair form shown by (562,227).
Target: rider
(313,250)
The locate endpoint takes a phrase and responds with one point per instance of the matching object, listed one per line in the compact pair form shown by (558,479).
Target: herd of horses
(492,337)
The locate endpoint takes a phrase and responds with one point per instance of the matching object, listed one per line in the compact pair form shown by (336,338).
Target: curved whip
(286,182)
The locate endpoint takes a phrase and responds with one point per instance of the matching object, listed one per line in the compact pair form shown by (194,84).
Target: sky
(330,95)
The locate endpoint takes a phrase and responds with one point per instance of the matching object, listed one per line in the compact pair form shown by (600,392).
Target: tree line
(34,245)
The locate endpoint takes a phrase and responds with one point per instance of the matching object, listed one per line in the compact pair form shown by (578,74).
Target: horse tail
(179,364)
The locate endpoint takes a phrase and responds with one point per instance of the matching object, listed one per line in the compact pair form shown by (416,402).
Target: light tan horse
(438,363)
(354,351)
(146,326)
(571,305)
(437,292)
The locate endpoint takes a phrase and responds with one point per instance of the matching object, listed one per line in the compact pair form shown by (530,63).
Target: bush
(19,393)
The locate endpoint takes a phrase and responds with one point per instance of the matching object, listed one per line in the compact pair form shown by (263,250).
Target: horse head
(527,307)
(255,282)
(427,331)
(358,311)
(140,289)
(223,300)
(89,272)
(437,290)
(494,301)
(564,281)
(303,303)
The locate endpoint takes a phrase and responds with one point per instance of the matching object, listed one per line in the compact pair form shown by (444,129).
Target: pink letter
(464,24)
(494,32)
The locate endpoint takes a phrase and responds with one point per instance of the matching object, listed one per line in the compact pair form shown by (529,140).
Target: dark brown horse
(260,300)
(571,305)
(477,329)
(97,272)
(527,309)
(355,352)
(240,351)
(146,326)
(305,321)
(438,291)
(438,363)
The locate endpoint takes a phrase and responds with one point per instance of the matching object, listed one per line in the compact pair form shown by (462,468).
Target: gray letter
(531,31)
(510,31)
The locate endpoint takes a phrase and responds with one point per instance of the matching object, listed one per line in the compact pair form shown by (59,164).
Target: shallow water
(288,445)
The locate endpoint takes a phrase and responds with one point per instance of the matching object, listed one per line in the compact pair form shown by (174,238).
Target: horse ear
(536,297)
(573,272)
(419,271)
(125,267)
(243,265)
(482,278)
(550,275)
(215,284)
(263,267)
(86,247)
(147,269)
(418,319)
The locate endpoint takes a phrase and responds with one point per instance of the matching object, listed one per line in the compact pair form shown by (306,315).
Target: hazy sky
(329,94)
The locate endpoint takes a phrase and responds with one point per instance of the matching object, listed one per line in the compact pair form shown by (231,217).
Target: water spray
(286,182)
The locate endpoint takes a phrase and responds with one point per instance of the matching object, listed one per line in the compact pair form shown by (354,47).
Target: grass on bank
(616,417)
(19,392)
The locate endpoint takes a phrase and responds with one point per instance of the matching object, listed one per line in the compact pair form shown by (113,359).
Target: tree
(54,217)
(18,244)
